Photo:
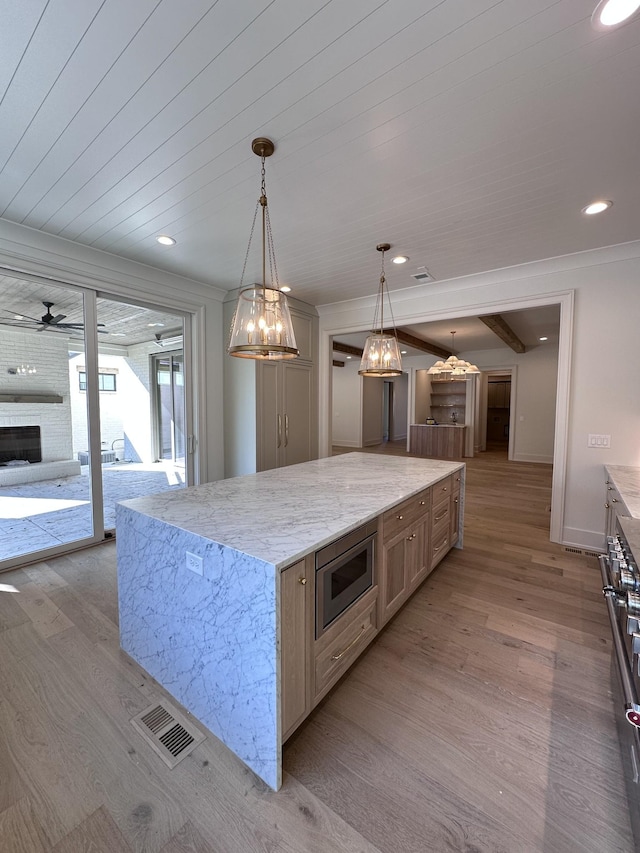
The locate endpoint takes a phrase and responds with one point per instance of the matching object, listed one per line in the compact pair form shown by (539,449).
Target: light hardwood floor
(479,720)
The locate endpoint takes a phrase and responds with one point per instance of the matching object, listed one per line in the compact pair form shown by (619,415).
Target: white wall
(602,286)
(347,405)
(34,252)
(48,353)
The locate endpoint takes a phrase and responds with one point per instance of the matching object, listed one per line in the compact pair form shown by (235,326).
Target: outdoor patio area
(34,516)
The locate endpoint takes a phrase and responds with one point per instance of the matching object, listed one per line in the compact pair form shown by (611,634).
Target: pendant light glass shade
(453,367)
(381,353)
(261,326)
(381,356)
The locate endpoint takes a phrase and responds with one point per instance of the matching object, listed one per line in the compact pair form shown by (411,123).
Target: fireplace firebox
(20,443)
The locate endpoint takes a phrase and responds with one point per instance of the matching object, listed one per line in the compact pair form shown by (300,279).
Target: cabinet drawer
(440,541)
(441,490)
(441,513)
(405,514)
(334,659)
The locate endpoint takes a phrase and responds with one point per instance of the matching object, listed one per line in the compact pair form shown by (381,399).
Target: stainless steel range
(621,579)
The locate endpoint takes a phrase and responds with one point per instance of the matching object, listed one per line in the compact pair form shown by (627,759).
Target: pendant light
(381,354)
(453,366)
(261,326)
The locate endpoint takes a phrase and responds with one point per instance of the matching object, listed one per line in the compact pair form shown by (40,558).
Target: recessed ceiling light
(609,14)
(403,352)
(152,325)
(348,357)
(165,240)
(285,288)
(543,338)
(596,207)
(400,259)
(118,335)
(18,317)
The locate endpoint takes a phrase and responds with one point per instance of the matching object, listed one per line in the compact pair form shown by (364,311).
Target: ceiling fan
(48,322)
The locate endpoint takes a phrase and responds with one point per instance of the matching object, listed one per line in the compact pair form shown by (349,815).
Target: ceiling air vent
(167,732)
(423,275)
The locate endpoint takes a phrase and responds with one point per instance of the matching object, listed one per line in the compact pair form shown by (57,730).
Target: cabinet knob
(614,500)
(400,517)
(444,488)
(421,503)
(455,500)
(606,506)
(302,581)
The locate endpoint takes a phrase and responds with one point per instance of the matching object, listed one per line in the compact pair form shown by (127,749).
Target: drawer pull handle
(440,517)
(440,547)
(303,581)
(400,517)
(351,644)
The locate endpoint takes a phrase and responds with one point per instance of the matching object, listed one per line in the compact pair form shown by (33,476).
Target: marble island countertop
(626,479)
(281,515)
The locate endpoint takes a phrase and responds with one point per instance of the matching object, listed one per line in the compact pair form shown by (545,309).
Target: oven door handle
(631,706)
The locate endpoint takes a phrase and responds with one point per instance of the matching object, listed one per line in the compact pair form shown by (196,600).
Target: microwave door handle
(630,698)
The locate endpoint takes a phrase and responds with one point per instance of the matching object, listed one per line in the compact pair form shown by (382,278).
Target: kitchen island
(203,601)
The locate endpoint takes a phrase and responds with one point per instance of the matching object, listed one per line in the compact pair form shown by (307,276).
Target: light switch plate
(600,441)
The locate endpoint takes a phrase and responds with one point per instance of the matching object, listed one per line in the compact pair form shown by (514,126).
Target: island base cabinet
(404,566)
(296,628)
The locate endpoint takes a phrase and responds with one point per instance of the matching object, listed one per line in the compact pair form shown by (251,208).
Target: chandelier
(261,326)
(381,354)
(453,366)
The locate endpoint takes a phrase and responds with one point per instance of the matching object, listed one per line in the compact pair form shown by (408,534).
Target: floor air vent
(168,733)
(580,551)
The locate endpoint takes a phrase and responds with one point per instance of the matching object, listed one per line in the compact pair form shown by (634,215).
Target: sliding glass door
(93,410)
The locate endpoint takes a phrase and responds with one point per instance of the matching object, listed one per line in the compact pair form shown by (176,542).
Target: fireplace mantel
(30,398)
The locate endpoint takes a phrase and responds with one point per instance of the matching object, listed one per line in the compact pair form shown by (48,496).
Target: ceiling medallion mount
(262,326)
(381,354)
(262,146)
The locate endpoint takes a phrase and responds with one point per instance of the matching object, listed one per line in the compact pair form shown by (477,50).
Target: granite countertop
(626,479)
(279,516)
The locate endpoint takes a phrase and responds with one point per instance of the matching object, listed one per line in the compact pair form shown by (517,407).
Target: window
(106,381)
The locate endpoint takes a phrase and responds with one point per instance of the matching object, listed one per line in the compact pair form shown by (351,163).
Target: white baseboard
(533,457)
(346,444)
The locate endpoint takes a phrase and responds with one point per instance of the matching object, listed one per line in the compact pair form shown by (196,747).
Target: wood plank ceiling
(468,135)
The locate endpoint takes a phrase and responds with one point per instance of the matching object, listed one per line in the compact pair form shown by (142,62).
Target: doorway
(387,411)
(498,411)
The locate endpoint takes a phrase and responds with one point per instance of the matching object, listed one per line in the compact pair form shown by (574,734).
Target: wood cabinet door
(296,594)
(297,406)
(418,554)
(394,580)
(269,421)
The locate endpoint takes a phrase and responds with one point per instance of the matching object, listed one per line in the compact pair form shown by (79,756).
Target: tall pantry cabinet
(271,417)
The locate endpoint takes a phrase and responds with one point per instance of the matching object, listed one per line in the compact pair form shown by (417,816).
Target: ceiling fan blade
(55,320)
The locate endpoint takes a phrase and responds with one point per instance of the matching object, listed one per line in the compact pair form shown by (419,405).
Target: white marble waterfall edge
(211,641)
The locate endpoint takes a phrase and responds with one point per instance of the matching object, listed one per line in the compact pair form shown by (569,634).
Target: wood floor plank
(46,618)
(19,829)
(98,834)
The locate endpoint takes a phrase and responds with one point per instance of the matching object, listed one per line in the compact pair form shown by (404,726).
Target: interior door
(170,421)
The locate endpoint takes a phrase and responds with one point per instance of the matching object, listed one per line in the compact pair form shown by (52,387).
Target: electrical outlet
(194,563)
